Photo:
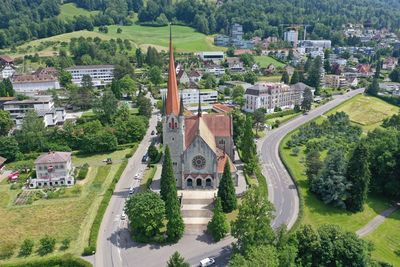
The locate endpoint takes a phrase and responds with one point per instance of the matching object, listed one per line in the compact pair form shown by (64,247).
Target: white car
(131,190)
(123,217)
(207,262)
(136,176)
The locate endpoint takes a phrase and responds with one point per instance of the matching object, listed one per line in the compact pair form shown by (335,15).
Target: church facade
(200,145)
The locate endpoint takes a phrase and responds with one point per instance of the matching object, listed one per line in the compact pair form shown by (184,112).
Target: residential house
(182,77)
(216,70)
(271,96)
(195,76)
(364,70)
(43,106)
(7,72)
(352,82)
(389,63)
(234,64)
(101,75)
(332,81)
(222,108)
(53,169)
(6,60)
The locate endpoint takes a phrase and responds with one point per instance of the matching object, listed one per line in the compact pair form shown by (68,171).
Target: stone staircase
(197,209)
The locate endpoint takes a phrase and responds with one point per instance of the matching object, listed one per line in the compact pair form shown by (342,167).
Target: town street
(282,191)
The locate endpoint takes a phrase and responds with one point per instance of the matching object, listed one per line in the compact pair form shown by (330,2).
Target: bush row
(94,230)
(280,114)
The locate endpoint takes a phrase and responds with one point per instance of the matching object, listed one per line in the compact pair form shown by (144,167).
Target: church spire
(172,103)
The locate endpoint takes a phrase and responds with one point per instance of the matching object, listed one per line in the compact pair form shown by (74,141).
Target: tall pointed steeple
(172,103)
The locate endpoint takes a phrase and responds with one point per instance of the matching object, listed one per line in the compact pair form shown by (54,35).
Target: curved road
(115,248)
(282,191)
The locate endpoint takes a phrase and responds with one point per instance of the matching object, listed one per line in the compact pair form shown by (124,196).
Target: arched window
(189,182)
(208,182)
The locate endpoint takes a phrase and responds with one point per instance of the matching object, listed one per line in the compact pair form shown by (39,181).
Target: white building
(43,106)
(214,56)
(53,169)
(217,71)
(291,36)
(191,96)
(31,84)
(7,72)
(270,96)
(314,47)
(101,74)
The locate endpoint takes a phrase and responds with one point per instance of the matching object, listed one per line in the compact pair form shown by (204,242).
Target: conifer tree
(9,87)
(218,226)
(295,77)
(247,141)
(285,78)
(167,174)
(176,260)
(226,190)
(358,175)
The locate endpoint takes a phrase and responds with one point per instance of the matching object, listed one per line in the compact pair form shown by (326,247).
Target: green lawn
(274,78)
(386,239)
(264,61)
(68,11)
(186,39)
(70,216)
(367,111)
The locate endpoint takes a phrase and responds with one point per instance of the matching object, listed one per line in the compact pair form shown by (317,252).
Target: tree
(226,190)
(253,224)
(314,74)
(247,141)
(201,24)
(331,184)
(237,91)
(259,119)
(327,66)
(247,59)
(285,77)
(119,30)
(155,75)
(250,77)
(100,141)
(139,58)
(153,58)
(146,213)
(127,85)
(47,245)
(176,260)
(358,175)
(295,77)
(373,88)
(265,256)
(26,248)
(87,82)
(167,175)
(395,75)
(308,247)
(153,152)
(8,147)
(8,87)
(313,164)
(218,227)
(307,99)
(144,105)
(6,122)
(106,107)
(31,137)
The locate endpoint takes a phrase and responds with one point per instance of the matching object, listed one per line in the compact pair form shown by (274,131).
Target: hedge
(94,230)
(280,114)
(66,260)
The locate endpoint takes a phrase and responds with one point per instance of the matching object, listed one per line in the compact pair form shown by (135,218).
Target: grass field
(361,110)
(273,79)
(61,218)
(264,61)
(68,11)
(186,39)
(386,239)
(368,112)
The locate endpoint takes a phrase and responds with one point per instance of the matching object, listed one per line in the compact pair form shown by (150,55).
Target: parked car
(123,217)
(136,176)
(131,190)
(207,262)
(145,158)
(153,132)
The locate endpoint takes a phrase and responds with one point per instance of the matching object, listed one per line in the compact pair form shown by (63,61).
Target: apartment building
(101,74)
(270,96)
(43,106)
(191,96)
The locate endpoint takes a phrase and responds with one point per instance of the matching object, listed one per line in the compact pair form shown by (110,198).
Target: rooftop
(89,67)
(53,157)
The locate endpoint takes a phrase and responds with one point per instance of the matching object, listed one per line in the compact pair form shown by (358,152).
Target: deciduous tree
(6,122)
(176,260)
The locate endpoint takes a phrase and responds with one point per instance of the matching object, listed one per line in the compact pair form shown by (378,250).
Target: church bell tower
(173,119)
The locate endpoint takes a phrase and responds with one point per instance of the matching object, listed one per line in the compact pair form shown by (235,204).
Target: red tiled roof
(239,52)
(219,125)
(222,158)
(53,157)
(28,78)
(221,107)
(6,58)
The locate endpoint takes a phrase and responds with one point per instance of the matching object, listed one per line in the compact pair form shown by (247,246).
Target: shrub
(7,250)
(83,171)
(47,245)
(65,244)
(128,155)
(66,260)
(26,248)
(89,250)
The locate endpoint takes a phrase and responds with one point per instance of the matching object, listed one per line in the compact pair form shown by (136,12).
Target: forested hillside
(22,20)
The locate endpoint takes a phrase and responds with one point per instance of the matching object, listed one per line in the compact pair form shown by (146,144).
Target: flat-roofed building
(101,75)
(271,96)
(214,56)
(43,106)
(191,96)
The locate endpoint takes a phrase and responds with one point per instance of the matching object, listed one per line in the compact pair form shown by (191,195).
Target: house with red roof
(53,169)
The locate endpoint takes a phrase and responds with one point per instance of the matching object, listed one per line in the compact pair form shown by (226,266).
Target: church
(201,144)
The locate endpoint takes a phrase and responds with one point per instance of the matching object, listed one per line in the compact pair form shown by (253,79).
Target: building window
(175,164)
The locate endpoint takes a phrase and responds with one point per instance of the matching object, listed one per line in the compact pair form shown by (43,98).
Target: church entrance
(189,182)
(208,182)
(199,182)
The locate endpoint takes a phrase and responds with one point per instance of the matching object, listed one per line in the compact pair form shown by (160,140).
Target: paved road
(282,191)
